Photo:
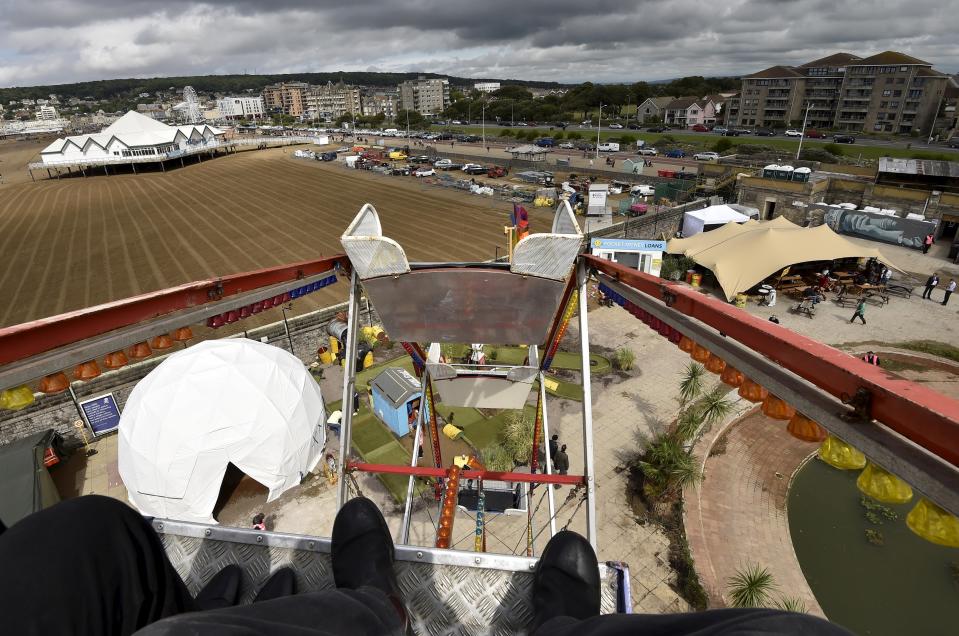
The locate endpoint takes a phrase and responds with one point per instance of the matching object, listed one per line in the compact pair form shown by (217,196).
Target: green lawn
(697,141)
(484,432)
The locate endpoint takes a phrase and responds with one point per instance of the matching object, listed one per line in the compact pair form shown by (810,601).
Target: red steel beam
(418,471)
(31,338)
(920,414)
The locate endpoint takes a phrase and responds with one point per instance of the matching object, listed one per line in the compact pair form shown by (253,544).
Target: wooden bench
(807,307)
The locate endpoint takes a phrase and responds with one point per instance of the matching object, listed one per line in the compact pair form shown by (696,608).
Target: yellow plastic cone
(882,485)
(839,454)
(934,524)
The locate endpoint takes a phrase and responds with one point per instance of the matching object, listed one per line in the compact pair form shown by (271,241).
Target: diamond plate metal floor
(446,591)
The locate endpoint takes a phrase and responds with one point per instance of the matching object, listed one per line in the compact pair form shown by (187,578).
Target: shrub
(624,358)
(518,436)
(559,134)
(817,154)
(627,139)
(753,149)
(573,135)
(750,587)
(506,132)
(497,458)
(722,144)
(834,149)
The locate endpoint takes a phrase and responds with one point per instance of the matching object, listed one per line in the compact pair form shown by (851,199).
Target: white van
(391,132)
(609,147)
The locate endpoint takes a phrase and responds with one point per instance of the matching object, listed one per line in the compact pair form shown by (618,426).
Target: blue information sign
(633,245)
(102,413)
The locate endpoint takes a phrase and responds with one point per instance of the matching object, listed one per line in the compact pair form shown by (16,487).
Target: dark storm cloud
(48,41)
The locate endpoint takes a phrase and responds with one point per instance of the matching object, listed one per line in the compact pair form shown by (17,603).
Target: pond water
(905,586)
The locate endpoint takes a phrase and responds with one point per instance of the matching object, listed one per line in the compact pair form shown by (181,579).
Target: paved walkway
(737,515)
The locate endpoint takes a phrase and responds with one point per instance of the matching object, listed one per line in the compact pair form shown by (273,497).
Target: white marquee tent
(221,401)
(695,221)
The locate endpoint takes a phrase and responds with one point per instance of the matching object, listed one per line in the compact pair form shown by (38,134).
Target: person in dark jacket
(561,461)
(931,283)
(553,446)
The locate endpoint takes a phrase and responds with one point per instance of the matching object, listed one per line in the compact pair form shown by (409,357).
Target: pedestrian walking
(871,358)
(931,283)
(951,287)
(860,311)
(927,243)
(553,446)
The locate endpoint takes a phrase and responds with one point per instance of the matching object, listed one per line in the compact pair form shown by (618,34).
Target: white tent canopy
(221,401)
(695,221)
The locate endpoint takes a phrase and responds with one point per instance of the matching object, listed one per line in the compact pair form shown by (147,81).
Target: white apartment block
(47,113)
(425,96)
(487,87)
(241,107)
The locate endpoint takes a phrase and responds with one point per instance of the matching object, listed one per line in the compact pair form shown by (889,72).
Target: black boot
(566,581)
(281,583)
(223,590)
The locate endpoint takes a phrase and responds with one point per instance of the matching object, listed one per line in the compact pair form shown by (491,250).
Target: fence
(666,222)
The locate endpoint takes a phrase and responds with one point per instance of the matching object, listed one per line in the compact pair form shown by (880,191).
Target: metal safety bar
(420,471)
(33,349)
(931,475)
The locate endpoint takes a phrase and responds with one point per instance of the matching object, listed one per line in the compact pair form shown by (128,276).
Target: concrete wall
(58,411)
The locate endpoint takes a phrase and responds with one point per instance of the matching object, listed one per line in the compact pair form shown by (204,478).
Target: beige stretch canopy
(741,256)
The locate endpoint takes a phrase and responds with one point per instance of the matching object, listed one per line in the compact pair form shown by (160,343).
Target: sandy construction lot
(72,243)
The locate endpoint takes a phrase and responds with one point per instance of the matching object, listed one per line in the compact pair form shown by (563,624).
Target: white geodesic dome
(218,402)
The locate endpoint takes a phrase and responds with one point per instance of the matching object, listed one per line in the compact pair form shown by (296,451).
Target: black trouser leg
(90,565)
(711,623)
(332,612)
(945,299)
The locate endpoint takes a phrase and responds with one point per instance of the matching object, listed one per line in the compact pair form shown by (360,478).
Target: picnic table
(790,282)
(902,287)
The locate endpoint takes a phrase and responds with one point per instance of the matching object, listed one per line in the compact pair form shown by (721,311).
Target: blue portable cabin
(396,399)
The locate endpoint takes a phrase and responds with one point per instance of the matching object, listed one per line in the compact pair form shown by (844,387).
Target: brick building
(286,98)
(888,92)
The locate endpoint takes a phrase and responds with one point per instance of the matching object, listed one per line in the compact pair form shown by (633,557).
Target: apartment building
(425,96)
(287,98)
(332,101)
(47,113)
(887,92)
(241,107)
(380,103)
(486,87)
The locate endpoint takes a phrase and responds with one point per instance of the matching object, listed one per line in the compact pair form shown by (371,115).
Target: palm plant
(667,466)
(715,406)
(791,604)
(691,386)
(751,586)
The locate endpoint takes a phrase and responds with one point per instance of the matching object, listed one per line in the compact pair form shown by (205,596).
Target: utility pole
(599,127)
(802,133)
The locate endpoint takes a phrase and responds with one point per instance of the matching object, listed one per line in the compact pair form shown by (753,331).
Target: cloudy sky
(57,41)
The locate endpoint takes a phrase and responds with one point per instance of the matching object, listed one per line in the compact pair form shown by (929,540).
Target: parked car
(328,156)
(633,126)
(473,168)
(732,132)
(720,129)
(400,171)
(953,143)
(744,131)
(420,159)
(765,132)
(567,145)
(642,191)
(844,139)
(647,152)
(442,163)
(397,155)
(706,156)
(425,171)
(609,146)
(450,166)
(496,171)
(456,122)
(615,126)
(812,133)
(676,153)
(792,133)
(699,128)
(657,129)
(545,142)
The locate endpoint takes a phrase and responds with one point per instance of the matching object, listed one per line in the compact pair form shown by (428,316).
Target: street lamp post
(802,133)
(483,124)
(599,127)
